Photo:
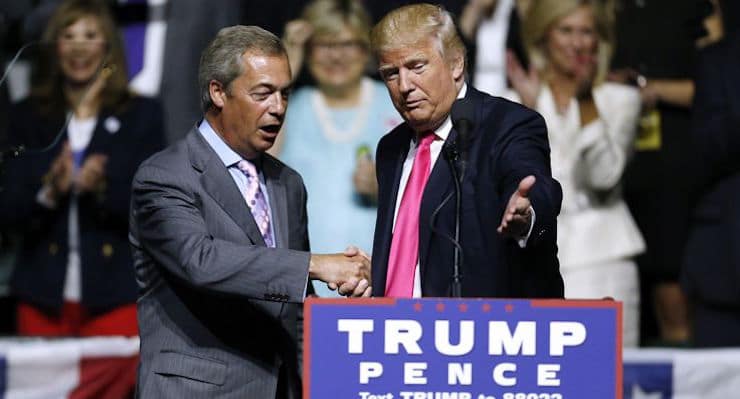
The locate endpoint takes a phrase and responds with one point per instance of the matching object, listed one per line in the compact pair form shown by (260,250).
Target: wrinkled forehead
(266,69)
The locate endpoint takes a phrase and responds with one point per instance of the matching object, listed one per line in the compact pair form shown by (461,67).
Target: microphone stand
(462,114)
(17,150)
(456,285)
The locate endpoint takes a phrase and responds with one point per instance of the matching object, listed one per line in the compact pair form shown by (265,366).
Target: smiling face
(250,112)
(337,60)
(81,49)
(572,41)
(422,84)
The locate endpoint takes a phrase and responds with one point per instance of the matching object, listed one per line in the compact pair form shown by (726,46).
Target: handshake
(348,272)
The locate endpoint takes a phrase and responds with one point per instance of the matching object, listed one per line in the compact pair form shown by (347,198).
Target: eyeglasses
(348,47)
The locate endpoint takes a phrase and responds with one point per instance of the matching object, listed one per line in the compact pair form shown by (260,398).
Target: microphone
(11,152)
(14,60)
(105,70)
(456,153)
(462,115)
(450,153)
(452,156)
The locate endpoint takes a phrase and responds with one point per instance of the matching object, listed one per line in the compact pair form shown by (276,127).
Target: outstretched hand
(517,217)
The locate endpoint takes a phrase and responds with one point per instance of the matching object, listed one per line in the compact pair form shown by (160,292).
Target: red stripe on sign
(106,378)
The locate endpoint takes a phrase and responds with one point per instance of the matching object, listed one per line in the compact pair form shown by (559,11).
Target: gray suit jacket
(219,313)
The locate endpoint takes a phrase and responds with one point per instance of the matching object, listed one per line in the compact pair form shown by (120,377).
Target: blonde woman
(591,124)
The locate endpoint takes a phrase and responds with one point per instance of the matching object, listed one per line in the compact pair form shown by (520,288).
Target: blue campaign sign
(383,348)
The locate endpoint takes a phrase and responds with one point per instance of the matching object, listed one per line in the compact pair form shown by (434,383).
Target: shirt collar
(228,156)
(444,129)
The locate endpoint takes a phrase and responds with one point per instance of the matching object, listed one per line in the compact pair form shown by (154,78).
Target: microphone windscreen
(462,115)
(462,112)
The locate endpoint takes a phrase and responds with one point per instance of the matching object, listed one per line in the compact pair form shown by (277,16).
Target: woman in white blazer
(591,124)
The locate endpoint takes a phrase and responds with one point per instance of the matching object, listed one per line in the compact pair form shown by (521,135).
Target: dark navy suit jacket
(127,137)
(711,272)
(507,143)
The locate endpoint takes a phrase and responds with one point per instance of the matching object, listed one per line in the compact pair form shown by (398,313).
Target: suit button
(53,248)
(107,250)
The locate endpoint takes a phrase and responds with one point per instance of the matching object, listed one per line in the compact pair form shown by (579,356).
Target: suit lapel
(219,184)
(398,148)
(439,185)
(395,178)
(278,201)
(100,142)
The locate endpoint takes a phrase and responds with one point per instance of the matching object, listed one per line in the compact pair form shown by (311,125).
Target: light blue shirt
(230,158)
(336,215)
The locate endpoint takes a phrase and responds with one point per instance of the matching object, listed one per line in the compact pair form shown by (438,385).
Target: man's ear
(217,93)
(458,66)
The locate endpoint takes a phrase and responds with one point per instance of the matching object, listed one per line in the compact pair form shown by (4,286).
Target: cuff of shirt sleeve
(308,281)
(305,287)
(523,241)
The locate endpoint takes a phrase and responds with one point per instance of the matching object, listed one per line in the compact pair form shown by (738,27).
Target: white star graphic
(638,393)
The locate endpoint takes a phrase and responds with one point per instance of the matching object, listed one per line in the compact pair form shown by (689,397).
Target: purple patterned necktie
(256,200)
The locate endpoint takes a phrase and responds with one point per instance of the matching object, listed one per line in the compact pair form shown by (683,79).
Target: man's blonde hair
(416,23)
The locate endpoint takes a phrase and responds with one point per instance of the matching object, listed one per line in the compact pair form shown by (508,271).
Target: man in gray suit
(218,229)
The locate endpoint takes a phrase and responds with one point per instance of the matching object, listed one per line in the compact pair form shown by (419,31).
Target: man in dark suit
(509,199)
(220,244)
(711,273)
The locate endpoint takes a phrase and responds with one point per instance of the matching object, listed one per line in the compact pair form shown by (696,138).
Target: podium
(383,348)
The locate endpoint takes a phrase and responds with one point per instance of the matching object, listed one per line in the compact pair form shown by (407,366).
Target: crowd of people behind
(639,97)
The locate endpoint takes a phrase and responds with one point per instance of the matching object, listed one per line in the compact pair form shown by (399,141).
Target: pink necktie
(405,245)
(256,200)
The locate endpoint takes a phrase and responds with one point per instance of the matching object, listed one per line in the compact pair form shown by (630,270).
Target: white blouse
(594,224)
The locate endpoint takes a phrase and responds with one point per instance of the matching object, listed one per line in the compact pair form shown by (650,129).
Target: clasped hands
(347,272)
(62,177)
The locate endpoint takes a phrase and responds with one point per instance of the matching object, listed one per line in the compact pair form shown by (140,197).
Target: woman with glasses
(333,126)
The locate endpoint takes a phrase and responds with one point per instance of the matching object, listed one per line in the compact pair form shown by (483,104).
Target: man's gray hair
(221,60)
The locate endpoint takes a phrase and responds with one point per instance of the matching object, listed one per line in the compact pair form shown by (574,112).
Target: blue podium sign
(383,348)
